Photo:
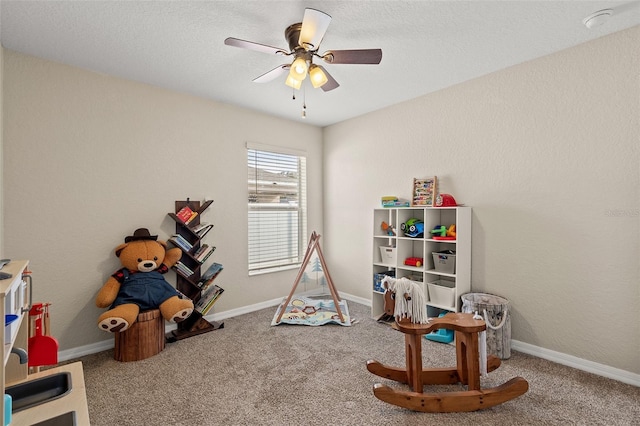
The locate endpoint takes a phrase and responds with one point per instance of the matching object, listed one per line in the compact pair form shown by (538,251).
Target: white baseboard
(105,345)
(578,363)
(275,302)
(564,359)
(357,299)
(93,348)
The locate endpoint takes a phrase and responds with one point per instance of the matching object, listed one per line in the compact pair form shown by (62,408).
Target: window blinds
(277,209)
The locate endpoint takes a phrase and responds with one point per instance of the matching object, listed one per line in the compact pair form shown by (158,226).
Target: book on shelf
(202,232)
(184,269)
(202,228)
(205,256)
(395,204)
(206,280)
(181,242)
(199,226)
(206,285)
(200,250)
(193,216)
(208,298)
(203,253)
(186,215)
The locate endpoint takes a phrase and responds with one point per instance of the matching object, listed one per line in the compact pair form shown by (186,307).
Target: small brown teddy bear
(139,285)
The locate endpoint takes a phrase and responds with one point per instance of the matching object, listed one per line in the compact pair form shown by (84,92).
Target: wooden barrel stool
(144,339)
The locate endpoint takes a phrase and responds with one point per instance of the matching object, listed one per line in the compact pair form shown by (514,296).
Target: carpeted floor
(252,373)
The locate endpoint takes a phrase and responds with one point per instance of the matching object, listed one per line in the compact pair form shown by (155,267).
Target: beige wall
(547,154)
(90,158)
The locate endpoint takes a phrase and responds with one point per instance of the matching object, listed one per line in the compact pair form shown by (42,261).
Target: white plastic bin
(444,261)
(388,255)
(442,292)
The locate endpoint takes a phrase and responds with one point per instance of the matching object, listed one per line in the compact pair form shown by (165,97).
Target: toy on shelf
(413,228)
(441,232)
(406,305)
(451,232)
(414,261)
(388,229)
(446,200)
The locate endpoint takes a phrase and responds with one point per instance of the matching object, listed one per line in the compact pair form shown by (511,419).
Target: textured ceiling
(179,45)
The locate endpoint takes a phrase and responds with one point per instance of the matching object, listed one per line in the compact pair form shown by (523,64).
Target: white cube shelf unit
(395,249)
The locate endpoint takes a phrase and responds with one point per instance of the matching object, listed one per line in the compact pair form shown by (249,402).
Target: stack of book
(208,298)
(186,215)
(202,229)
(183,269)
(180,241)
(203,253)
(392,201)
(210,292)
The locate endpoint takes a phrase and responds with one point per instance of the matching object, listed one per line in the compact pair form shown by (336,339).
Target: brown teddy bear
(139,285)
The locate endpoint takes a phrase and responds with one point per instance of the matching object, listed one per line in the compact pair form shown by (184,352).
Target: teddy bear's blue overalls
(145,289)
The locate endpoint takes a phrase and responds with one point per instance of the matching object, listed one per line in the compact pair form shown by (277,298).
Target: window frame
(276,210)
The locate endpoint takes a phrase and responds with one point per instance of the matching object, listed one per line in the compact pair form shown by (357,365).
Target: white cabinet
(442,289)
(14,295)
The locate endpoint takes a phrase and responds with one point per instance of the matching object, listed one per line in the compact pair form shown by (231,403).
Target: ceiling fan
(304,41)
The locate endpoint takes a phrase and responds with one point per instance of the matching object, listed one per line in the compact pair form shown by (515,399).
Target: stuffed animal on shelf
(139,285)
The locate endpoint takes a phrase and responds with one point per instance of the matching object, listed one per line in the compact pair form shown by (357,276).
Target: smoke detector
(597,18)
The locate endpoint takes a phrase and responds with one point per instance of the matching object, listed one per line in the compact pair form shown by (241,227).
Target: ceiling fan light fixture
(292,82)
(314,26)
(304,40)
(317,76)
(298,69)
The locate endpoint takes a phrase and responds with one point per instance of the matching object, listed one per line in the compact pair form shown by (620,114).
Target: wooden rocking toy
(467,370)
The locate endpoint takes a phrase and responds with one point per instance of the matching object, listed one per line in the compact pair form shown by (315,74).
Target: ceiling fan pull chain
(304,102)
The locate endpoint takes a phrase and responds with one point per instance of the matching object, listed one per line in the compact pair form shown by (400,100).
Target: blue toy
(442,335)
(413,228)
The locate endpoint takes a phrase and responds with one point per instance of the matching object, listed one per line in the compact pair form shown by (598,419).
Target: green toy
(439,230)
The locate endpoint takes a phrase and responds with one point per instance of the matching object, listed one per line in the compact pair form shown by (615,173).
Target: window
(277,209)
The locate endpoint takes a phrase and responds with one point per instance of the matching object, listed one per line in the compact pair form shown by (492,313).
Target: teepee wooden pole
(307,256)
(313,245)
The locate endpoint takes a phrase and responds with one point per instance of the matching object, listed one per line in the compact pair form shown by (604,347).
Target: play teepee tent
(313,245)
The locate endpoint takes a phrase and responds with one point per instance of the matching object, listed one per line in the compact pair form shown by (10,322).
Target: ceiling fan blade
(314,26)
(331,82)
(273,74)
(356,56)
(236,42)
